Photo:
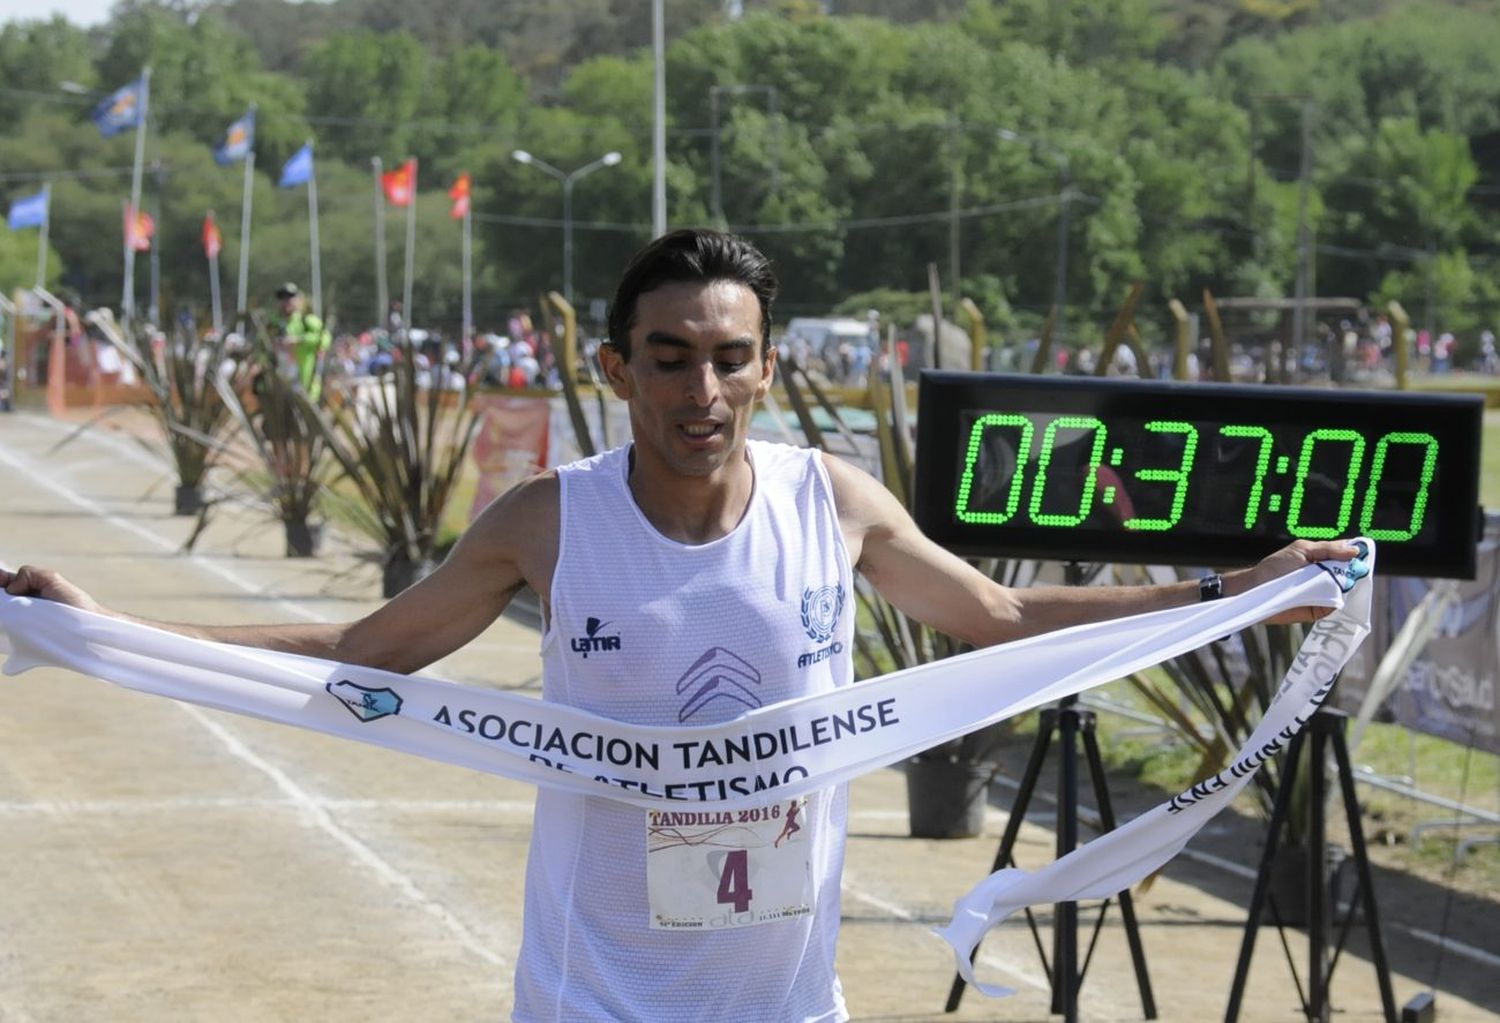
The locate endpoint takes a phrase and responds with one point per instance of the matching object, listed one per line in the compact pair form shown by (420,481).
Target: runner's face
(696,370)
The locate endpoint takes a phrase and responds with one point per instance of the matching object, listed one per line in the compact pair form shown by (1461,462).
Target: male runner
(686,578)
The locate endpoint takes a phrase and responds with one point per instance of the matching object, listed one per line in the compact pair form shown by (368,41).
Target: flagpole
(11,327)
(411,240)
(241,301)
(213,288)
(312,227)
(127,298)
(154,309)
(382,294)
(468,338)
(658,122)
(41,244)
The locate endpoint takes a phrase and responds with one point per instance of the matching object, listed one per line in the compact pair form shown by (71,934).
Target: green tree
(473,94)
(18,259)
(1080,31)
(367,89)
(1446,293)
(1393,195)
(37,57)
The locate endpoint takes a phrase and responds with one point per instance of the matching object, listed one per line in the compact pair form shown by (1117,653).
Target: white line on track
(304,800)
(362,852)
(1028,977)
(1453,945)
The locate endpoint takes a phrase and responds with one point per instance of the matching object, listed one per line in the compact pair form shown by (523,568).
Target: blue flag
(28,211)
(299,169)
(121,110)
(239,138)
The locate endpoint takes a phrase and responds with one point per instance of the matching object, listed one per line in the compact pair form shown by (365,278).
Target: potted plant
(400,440)
(294,460)
(180,372)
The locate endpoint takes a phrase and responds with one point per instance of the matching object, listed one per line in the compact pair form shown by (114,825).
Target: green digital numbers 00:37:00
(1377,518)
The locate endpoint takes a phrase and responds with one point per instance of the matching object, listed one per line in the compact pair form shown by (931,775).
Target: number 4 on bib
(734,881)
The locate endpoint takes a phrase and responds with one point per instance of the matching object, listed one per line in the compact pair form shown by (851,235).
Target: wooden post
(976,334)
(1116,332)
(1217,343)
(1184,339)
(935,288)
(1400,325)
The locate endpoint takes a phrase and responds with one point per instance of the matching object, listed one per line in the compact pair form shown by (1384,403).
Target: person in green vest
(303,340)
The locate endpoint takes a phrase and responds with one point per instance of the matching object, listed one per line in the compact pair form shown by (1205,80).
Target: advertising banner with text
(1449,690)
(510,446)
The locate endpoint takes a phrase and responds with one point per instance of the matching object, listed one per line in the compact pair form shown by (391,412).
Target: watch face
(1136,471)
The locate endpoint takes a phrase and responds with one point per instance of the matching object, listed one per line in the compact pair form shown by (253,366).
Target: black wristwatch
(1211,587)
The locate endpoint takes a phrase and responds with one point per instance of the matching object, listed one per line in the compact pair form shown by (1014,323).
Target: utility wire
(63,174)
(911,218)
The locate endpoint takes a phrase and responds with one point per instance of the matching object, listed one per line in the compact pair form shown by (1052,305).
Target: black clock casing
(1090,469)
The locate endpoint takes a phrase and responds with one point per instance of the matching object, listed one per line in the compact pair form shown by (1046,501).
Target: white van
(812,339)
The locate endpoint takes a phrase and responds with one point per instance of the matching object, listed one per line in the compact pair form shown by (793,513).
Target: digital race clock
(1088,469)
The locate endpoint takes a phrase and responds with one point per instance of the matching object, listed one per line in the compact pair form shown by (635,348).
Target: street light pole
(607,160)
(1064,199)
(658,121)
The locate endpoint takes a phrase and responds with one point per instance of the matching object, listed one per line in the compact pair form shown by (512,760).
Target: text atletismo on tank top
(690,913)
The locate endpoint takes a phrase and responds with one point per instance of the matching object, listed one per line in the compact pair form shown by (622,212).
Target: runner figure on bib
(706,575)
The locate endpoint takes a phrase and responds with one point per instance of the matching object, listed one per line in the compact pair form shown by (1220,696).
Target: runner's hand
(30,581)
(1285,561)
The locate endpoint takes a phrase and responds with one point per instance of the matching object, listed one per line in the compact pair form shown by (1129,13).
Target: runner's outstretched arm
(502,551)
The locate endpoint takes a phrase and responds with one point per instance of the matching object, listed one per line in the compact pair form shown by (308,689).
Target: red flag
(139,228)
(213,241)
(400,184)
(459,193)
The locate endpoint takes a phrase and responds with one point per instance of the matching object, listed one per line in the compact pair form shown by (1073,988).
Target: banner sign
(510,446)
(795,746)
(1449,690)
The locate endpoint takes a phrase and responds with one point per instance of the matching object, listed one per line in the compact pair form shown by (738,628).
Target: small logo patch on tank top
(821,610)
(592,642)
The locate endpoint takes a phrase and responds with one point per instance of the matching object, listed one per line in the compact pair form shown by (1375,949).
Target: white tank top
(651,631)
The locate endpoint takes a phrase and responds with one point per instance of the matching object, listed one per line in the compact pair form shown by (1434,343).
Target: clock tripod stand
(1324,732)
(1071,725)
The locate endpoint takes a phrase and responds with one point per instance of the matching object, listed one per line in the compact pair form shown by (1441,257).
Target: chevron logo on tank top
(718,675)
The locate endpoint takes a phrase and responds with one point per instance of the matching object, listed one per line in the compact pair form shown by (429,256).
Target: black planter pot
(401,572)
(946,798)
(302,538)
(188,500)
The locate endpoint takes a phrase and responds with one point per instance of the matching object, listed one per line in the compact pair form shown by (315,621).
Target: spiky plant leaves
(401,442)
(180,372)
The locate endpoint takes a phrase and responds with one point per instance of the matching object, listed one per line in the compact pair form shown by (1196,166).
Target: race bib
(713,869)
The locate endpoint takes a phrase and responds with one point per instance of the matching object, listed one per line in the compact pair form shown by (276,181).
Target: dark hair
(691,255)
